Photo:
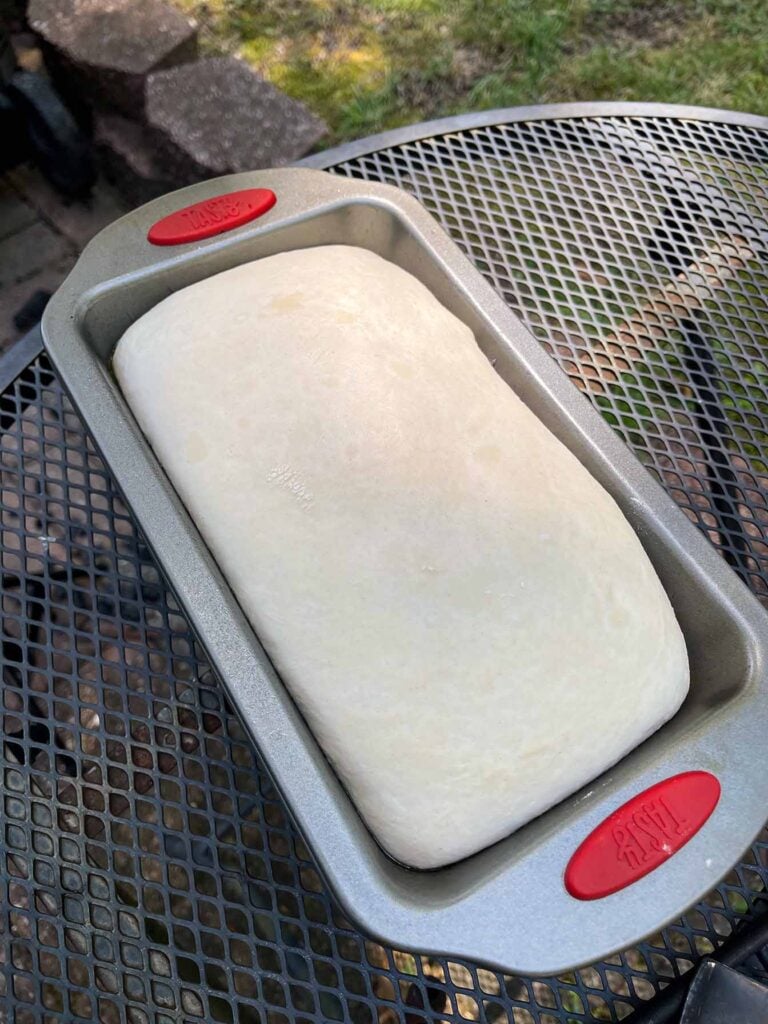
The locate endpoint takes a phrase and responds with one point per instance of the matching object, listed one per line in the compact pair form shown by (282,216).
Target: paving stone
(41,236)
(15,214)
(110,46)
(77,220)
(25,253)
(217,116)
(13,297)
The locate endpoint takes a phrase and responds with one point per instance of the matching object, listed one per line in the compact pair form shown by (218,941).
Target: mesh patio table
(149,873)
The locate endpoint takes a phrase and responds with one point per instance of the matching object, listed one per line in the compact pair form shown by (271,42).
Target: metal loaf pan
(506,906)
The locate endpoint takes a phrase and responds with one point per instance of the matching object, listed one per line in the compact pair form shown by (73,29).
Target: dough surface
(468,623)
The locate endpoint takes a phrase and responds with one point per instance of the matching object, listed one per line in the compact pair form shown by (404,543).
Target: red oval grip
(641,835)
(211,216)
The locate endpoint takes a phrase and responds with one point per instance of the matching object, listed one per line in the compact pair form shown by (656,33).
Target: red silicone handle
(211,216)
(641,835)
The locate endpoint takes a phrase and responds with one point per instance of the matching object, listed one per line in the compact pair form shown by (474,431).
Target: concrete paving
(41,236)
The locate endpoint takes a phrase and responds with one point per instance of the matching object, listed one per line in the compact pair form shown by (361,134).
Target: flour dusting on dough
(287,478)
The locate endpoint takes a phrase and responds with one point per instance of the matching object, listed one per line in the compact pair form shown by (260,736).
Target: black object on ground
(56,144)
(701,366)
(36,125)
(748,941)
(720,995)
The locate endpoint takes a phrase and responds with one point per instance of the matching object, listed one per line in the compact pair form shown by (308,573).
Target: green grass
(367,65)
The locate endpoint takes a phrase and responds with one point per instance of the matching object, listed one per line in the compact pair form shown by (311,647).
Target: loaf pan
(507,906)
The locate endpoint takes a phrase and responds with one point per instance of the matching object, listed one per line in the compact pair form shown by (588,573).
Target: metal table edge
(19,356)
(512,115)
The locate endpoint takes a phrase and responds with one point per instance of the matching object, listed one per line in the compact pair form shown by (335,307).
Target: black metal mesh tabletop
(149,873)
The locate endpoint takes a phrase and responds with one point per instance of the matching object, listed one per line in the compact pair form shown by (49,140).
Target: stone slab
(217,116)
(128,159)
(110,46)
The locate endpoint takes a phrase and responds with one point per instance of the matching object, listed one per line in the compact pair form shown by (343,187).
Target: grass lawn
(367,65)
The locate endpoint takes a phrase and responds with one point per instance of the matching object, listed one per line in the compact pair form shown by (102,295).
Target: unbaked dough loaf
(468,623)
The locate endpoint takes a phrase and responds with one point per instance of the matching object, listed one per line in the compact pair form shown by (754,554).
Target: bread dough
(468,623)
